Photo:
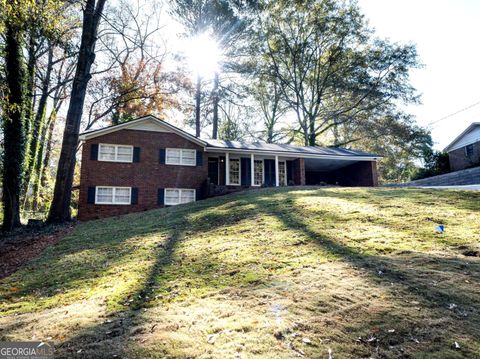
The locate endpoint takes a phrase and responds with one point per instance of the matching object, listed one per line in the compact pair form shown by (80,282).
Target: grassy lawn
(274,273)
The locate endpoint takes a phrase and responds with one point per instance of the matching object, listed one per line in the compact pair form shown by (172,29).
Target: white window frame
(100,145)
(113,196)
(239,172)
(263,173)
(181,157)
(179,195)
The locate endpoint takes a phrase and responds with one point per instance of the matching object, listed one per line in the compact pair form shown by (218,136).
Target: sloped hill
(273,273)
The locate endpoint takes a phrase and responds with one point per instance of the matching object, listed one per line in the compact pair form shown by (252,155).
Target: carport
(234,163)
(342,172)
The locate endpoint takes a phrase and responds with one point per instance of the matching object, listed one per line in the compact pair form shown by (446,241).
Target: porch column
(227,169)
(252,169)
(276,172)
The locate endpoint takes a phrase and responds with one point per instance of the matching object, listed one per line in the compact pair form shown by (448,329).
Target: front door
(269,172)
(246,170)
(213,170)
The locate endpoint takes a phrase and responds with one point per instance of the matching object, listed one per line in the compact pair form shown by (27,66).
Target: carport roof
(282,148)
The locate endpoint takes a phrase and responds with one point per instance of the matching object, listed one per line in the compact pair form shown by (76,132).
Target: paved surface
(472,187)
(469,177)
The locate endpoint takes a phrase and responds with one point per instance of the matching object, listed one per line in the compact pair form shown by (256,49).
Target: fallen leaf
(211,339)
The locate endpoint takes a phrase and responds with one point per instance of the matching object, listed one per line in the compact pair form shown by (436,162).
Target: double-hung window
(180,156)
(258,172)
(234,171)
(113,195)
(115,153)
(174,196)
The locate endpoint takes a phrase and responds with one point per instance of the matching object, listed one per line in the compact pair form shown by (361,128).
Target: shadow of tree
(416,279)
(433,282)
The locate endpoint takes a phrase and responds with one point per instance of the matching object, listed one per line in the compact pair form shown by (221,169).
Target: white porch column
(252,169)
(276,172)
(227,169)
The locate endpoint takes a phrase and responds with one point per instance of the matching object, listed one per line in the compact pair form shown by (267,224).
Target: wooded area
(306,72)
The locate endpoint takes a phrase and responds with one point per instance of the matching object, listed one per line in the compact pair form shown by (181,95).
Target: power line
(455,113)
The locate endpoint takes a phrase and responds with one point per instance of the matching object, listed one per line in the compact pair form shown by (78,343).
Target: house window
(113,195)
(282,177)
(234,171)
(174,196)
(179,156)
(469,150)
(258,173)
(115,153)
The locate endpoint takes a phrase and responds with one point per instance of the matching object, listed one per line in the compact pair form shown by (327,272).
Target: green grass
(270,273)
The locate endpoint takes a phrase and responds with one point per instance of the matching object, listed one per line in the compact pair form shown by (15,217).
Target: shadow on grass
(418,277)
(409,277)
(186,221)
(418,197)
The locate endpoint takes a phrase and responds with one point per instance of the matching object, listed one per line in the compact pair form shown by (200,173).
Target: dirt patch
(21,246)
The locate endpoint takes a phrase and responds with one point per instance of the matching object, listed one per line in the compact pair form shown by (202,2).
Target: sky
(446,34)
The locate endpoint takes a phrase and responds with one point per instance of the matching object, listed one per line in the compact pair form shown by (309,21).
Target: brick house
(464,151)
(148,163)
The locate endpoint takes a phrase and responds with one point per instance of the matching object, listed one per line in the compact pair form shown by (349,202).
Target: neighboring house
(464,151)
(148,163)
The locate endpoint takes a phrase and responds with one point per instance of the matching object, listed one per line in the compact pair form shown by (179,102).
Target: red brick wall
(459,161)
(147,175)
(299,172)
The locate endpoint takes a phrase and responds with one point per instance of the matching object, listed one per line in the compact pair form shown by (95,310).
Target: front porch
(252,170)
(229,171)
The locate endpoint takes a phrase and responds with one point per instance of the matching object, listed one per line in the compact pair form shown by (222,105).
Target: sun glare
(203,55)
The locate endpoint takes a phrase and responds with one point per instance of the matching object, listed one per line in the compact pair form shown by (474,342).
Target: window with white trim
(234,165)
(180,156)
(174,196)
(282,173)
(258,172)
(113,195)
(115,153)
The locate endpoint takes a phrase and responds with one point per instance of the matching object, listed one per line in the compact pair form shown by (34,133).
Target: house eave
(125,126)
(292,154)
(451,146)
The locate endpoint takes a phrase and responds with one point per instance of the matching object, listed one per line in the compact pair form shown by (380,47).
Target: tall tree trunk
(36,145)
(29,99)
(215,106)
(37,168)
(197,105)
(13,130)
(60,208)
(312,137)
(48,149)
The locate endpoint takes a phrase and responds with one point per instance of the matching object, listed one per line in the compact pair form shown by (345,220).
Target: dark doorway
(269,172)
(245,171)
(289,172)
(213,170)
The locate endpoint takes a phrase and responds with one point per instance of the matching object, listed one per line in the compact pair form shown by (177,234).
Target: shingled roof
(273,147)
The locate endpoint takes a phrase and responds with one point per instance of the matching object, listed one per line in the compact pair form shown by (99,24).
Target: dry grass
(269,273)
